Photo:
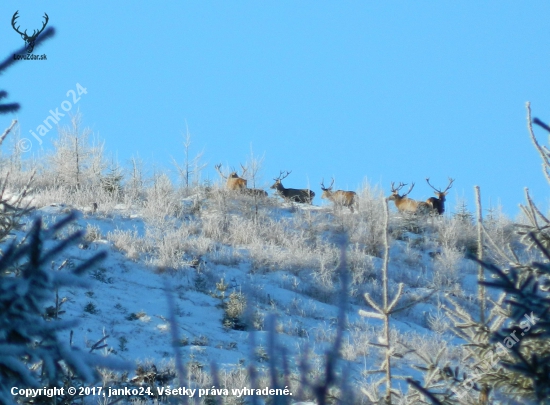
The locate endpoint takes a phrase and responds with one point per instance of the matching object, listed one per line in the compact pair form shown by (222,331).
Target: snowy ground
(127,300)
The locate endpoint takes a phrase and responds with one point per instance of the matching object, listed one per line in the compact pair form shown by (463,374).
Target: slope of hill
(232,262)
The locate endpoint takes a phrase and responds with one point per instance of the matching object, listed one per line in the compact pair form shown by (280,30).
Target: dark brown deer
(405,204)
(292,194)
(234,182)
(438,204)
(340,197)
(255,192)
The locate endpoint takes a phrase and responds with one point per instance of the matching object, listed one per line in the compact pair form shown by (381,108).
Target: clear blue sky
(390,91)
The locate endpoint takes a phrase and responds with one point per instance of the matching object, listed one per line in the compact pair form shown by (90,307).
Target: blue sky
(388,91)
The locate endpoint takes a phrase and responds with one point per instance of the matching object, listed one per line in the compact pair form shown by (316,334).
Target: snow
(127,297)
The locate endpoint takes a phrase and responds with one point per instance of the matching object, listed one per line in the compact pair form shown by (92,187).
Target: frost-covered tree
(77,162)
(11,209)
(111,181)
(189,172)
(509,343)
(32,352)
(134,188)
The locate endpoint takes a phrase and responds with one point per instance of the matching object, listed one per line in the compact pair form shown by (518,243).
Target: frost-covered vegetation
(116,277)
(205,286)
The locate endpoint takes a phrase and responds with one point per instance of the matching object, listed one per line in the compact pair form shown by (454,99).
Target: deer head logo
(29,39)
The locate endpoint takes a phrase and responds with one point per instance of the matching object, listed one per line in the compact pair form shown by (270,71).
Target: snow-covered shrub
(457,232)
(161,200)
(234,310)
(447,268)
(369,228)
(93,233)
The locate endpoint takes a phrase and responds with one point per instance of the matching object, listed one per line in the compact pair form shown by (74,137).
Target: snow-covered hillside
(217,251)
(215,289)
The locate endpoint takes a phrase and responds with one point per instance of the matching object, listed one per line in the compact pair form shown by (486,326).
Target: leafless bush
(161,200)
(446,268)
(127,241)
(93,233)
(368,224)
(457,232)
(81,199)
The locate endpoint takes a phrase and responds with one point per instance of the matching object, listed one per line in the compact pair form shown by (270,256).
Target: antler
(281,176)
(326,188)
(450,184)
(399,187)
(15,17)
(429,184)
(410,189)
(34,33)
(219,171)
(46,19)
(439,191)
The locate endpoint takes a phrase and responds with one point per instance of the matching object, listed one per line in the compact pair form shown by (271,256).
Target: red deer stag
(234,182)
(340,197)
(292,194)
(438,204)
(238,183)
(405,204)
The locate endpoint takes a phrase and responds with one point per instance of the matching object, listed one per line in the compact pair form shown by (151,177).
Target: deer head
(438,203)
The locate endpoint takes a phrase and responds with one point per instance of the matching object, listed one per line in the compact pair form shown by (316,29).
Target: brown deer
(234,182)
(405,204)
(438,204)
(255,192)
(292,194)
(340,197)
(238,183)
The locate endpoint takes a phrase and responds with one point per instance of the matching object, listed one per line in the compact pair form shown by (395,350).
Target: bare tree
(136,181)
(189,172)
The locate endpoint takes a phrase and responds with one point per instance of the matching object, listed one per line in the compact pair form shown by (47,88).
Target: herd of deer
(434,205)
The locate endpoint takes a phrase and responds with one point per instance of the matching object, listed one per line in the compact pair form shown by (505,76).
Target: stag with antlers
(340,197)
(29,39)
(234,181)
(292,194)
(437,204)
(405,204)
(238,183)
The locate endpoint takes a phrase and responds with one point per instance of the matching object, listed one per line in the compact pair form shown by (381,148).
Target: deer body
(292,194)
(255,191)
(405,204)
(340,197)
(436,204)
(234,182)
